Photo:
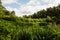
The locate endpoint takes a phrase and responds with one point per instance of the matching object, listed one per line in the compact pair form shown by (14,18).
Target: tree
(13,12)
(0,4)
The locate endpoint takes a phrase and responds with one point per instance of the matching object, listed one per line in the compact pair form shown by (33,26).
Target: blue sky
(23,1)
(28,7)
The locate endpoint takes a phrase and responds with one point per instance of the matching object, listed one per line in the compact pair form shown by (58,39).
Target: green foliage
(0,4)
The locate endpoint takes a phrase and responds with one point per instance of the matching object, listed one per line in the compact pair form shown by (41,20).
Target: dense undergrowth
(30,30)
(39,26)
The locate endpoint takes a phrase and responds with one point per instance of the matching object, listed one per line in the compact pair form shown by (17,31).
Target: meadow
(43,25)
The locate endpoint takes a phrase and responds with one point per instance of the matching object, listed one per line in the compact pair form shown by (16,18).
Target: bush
(22,36)
(43,24)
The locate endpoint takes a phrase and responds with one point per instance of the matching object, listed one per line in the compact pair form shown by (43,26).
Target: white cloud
(9,1)
(33,6)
